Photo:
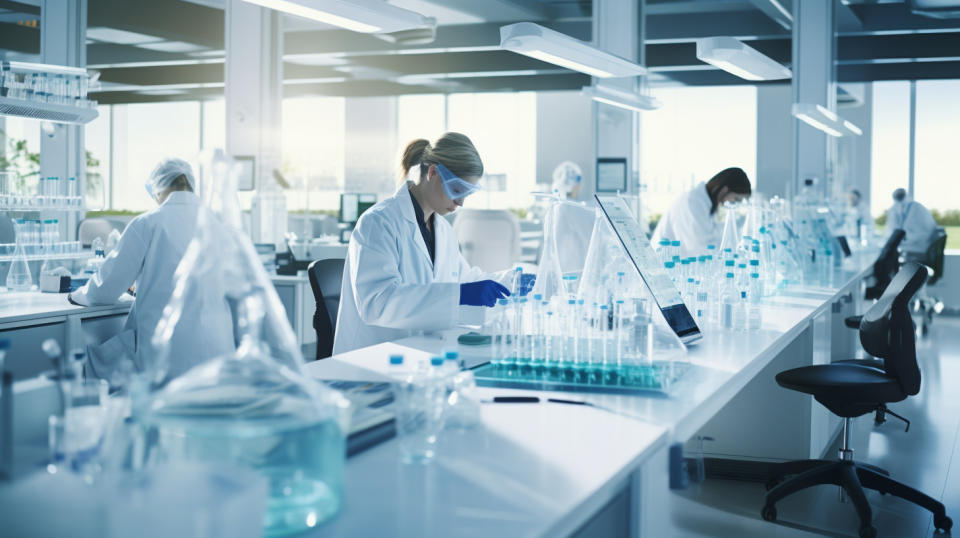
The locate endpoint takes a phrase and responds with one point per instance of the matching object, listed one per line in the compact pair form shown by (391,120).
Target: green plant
(18,158)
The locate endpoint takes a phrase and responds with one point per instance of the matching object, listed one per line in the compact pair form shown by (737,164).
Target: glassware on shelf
(19,277)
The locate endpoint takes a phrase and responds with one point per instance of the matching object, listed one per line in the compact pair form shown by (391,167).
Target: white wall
(565,133)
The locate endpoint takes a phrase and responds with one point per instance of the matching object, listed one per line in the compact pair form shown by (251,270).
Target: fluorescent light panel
(364,16)
(120,37)
(737,58)
(621,99)
(553,47)
(814,115)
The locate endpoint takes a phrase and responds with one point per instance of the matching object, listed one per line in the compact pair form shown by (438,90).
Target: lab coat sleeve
(382,297)
(118,272)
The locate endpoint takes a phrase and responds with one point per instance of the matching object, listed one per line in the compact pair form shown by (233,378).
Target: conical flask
(731,232)
(19,277)
(252,405)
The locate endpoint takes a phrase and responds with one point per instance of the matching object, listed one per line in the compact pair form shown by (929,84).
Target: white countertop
(19,306)
(528,470)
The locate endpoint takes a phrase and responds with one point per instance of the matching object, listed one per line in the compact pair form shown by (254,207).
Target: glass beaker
(75,438)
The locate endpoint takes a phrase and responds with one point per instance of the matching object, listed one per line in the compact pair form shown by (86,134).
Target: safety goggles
(149,188)
(455,187)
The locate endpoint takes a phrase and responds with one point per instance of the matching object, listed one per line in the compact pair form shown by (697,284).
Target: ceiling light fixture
(553,47)
(737,58)
(850,126)
(818,117)
(622,99)
(365,16)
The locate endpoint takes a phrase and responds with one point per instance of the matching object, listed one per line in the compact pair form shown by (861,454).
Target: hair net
(168,170)
(566,176)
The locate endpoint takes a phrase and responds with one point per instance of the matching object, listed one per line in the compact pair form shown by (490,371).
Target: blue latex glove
(527,280)
(482,293)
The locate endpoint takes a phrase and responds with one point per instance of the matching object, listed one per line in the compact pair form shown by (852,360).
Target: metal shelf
(41,257)
(35,205)
(46,111)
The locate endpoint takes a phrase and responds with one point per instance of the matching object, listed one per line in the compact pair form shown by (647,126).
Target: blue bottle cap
(451,355)
(537,297)
(580,301)
(754,262)
(502,302)
(436,361)
(728,250)
(604,307)
(711,247)
(754,275)
(571,301)
(396,359)
(742,266)
(621,273)
(665,242)
(675,243)
(668,265)
(728,263)
(729,275)
(743,295)
(685,261)
(689,279)
(619,301)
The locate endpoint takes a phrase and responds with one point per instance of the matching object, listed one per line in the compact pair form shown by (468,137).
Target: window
(698,132)
(143,134)
(21,151)
(313,136)
(938,132)
(420,116)
(96,138)
(890,152)
(503,127)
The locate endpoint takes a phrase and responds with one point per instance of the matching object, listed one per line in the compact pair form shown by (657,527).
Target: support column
(814,81)
(254,86)
(63,41)
(617,28)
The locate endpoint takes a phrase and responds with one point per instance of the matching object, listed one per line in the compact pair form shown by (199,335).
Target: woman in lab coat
(691,218)
(404,271)
(148,254)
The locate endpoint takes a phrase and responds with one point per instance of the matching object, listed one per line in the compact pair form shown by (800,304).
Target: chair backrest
(934,257)
(92,228)
(887,330)
(489,238)
(326,277)
(889,259)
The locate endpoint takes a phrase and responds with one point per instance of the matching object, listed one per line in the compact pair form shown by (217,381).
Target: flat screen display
(611,174)
(353,204)
(638,249)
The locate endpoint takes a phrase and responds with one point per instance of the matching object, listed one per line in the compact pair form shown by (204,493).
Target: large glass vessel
(252,406)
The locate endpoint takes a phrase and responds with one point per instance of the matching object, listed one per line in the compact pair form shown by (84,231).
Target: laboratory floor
(927,458)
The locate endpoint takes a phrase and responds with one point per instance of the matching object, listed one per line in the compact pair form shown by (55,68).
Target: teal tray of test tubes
(655,376)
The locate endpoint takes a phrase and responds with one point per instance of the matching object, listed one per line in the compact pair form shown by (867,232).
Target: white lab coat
(916,221)
(148,253)
(690,222)
(390,288)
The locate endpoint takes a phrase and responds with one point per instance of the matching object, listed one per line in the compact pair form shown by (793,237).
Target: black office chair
(326,277)
(886,265)
(850,390)
(926,305)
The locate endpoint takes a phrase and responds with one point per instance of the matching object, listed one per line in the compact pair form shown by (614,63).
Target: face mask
(453,186)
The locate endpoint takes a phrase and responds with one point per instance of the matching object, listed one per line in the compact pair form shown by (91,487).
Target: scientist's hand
(527,280)
(482,293)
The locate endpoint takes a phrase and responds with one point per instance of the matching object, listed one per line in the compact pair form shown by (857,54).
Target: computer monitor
(353,204)
(611,174)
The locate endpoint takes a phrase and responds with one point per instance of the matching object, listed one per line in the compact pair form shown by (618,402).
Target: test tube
(548,358)
(521,330)
(603,319)
(618,319)
(536,332)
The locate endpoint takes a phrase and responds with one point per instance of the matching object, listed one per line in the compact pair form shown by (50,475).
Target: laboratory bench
(552,469)
(29,318)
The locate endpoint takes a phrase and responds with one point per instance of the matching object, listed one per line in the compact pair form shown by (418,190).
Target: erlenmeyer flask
(19,277)
(731,232)
(252,405)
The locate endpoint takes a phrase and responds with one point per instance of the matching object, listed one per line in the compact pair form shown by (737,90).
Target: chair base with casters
(853,477)
(850,389)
